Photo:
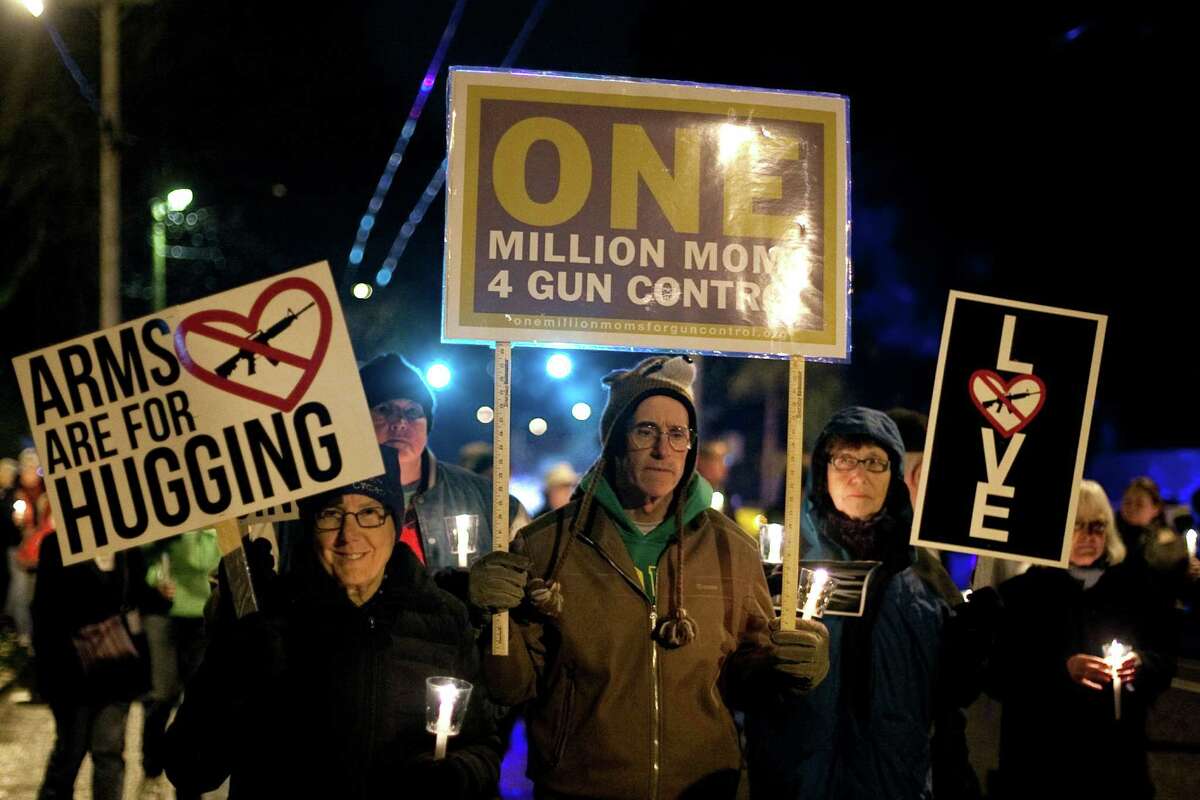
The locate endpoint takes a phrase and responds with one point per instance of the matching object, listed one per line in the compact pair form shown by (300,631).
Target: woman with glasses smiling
(322,692)
(1059,734)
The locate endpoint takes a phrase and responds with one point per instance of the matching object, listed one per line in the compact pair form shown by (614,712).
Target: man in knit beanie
(402,410)
(640,617)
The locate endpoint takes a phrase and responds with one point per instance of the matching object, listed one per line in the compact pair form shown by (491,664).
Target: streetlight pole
(110,164)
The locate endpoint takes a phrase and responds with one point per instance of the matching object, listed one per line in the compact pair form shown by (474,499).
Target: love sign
(1008,429)
(225,406)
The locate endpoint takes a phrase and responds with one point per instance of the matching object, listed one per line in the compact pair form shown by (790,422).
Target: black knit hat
(391,377)
(384,488)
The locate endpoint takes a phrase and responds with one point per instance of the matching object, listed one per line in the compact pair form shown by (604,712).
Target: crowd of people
(646,657)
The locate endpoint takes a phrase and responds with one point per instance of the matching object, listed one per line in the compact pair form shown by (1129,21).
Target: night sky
(1026,155)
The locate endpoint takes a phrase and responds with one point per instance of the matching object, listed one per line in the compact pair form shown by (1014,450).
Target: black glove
(801,655)
(447,777)
(498,580)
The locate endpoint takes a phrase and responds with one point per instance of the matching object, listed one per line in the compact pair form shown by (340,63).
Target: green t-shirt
(645,549)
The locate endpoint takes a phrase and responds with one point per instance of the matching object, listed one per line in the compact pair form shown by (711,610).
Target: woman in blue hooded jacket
(864,732)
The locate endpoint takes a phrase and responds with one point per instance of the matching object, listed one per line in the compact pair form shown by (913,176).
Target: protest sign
(646,215)
(1008,429)
(198,414)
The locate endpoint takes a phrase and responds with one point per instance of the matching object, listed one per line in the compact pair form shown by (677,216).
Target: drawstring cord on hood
(675,629)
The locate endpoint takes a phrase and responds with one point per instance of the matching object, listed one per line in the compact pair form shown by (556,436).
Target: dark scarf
(880,538)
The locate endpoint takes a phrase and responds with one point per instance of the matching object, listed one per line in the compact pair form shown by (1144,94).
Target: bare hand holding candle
(1115,655)
(446,702)
(463,532)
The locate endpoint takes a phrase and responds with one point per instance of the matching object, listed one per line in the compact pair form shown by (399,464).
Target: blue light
(438,376)
(383,277)
(1074,33)
(559,366)
(356,255)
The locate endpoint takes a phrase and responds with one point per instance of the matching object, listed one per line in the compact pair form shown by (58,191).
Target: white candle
(775,542)
(446,696)
(820,578)
(1191,543)
(1115,653)
(462,533)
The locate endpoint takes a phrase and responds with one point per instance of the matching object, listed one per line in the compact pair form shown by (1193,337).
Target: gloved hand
(498,580)
(801,655)
(425,777)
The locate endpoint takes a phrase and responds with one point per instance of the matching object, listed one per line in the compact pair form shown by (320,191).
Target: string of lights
(384,275)
(393,164)
(85,87)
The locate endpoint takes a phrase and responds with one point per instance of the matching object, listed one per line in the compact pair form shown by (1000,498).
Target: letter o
(574,171)
(666,291)
(631,288)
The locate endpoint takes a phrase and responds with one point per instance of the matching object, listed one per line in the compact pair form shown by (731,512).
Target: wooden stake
(794,494)
(500,476)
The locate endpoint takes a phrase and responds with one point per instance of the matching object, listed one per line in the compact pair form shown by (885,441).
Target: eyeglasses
(646,434)
(844,462)
(1096,526)
(389,413)
(331,519)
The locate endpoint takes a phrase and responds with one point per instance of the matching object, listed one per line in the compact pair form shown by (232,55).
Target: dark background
(1024,153)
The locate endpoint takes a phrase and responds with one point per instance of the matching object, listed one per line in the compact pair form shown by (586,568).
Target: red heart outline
(198,323)
(984,374)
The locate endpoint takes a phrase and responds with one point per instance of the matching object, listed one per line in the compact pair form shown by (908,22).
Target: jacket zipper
(654,699)
(654,708)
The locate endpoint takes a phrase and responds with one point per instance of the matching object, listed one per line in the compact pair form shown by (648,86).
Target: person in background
(321,693)
(712,463)
(88,665)
(639,615)
(30,515)
(178,574)
(1059,736)
(558,484)
(402,410)
(10,535)
(476,457)
(1142,523)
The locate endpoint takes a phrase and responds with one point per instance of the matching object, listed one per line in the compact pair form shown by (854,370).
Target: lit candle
(462,533)
(718,501)
(1191,542)
(1115,653)
(447,694)
(819,579)
(775,543)
(19,507)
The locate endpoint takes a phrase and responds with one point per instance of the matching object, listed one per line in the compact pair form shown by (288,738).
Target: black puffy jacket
(317,697)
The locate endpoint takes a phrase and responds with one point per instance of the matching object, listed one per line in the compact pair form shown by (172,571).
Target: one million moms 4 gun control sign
(621,213)
(221,407)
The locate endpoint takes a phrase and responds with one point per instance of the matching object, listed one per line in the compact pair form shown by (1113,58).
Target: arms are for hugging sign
(200,413)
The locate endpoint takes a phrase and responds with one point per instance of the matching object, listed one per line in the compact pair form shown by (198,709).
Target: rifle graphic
(226,368)
(999,401)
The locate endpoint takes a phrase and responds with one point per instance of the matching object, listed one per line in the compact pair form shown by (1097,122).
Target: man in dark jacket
(641,617)
(864,732)
(402,410)
(322,693)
